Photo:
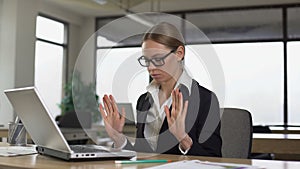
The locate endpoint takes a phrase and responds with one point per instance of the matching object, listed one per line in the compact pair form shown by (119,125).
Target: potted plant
(80,102)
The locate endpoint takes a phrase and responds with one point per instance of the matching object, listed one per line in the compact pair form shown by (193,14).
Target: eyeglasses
(157,61)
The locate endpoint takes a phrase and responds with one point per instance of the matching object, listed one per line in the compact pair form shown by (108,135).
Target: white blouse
(156,114)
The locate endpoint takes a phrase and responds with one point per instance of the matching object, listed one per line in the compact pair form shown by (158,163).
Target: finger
(123,115)
(106,106)
(177,106)
(114,104)
(103,114)
(109,104)
(180,103)
(184,112)
(177,100)
(173,104)
(167,111)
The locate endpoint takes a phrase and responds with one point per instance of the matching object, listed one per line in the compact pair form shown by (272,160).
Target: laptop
(129,117)
(45,133)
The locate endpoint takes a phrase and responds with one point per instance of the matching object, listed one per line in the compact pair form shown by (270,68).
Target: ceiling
(117,7)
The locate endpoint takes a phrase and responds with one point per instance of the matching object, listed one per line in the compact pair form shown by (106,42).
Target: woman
(173,115)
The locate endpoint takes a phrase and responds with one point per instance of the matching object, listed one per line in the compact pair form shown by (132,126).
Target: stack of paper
(196,164)
(17,150)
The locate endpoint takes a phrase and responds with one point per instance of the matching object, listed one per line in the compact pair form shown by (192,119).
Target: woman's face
(171,67)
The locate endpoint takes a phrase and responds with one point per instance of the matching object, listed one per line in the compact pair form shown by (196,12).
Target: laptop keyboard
(88,149)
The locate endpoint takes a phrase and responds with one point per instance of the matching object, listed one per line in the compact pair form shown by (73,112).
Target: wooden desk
(45,162)
(276,143)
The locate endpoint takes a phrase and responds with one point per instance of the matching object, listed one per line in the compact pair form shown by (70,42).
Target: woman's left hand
(176,118)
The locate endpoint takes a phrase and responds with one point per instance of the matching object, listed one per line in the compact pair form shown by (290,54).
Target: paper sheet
(10,151)
(196,164)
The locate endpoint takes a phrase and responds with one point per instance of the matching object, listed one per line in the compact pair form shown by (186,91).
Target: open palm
(176,118)
(113,120)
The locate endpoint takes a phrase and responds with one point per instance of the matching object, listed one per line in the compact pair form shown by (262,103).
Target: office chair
(236,133)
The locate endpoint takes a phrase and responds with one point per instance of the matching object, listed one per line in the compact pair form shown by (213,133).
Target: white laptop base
(45,133)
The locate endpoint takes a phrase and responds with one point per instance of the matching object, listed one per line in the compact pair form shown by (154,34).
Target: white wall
(1,2)
(86,60)
(17,49)
(17,43)
(80,30)
(7,58)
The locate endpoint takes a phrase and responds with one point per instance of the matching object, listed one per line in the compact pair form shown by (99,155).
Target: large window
(237,25)
(258,48)
(119,74)
(49,61)
(253,78)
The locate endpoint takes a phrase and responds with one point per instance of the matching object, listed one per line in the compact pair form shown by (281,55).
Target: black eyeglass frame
(151,60)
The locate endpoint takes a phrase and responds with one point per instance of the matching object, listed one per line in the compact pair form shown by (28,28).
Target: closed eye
(157,56)
(157,59)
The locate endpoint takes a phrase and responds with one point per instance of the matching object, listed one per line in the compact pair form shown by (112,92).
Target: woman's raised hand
(113,120)
(176,118)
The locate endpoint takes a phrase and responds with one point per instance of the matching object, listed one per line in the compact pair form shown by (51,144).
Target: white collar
(184,79)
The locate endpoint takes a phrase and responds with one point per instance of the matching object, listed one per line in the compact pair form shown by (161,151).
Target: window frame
(285,39)
(64,45)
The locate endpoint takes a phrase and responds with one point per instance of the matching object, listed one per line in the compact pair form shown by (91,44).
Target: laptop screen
(36,118)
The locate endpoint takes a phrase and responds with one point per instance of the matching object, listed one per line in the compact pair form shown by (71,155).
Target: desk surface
(286,130)
(276,143)
(45,162)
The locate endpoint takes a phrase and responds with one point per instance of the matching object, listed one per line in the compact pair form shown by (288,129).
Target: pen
(140,161)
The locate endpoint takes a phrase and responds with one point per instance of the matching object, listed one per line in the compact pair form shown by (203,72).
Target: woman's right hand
(113,120)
